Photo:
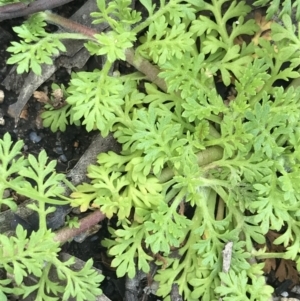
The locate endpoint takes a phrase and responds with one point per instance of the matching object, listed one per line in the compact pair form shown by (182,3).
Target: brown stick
(15,10)
(145,67)
(64,234)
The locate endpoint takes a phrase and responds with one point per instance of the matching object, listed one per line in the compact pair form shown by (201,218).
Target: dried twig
(64,234)
(15,10)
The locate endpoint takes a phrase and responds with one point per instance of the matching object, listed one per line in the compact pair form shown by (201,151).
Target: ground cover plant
(196,172)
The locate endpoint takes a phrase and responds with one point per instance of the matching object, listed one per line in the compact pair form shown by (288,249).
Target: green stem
(84,32)
(122,119)
(177,200)
(236,213)
(215,119)
(69,185)
(270,255)
(207,156)
(209,206)
(171,194)
(42,215)
(69,36)
(216,10)
(42,282)
(268,86)
(146,68)
(105,71)
(281,140)
(213,132)
(220,209)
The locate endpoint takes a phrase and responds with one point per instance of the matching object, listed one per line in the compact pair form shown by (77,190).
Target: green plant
(283,7)
(194,172)
(22,256)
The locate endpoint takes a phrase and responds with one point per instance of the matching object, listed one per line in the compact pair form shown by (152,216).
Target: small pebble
(58,150)
(34,137)
(63,158)
(1,96)
(296,289)
(2,120)
(94,237)
(116,73)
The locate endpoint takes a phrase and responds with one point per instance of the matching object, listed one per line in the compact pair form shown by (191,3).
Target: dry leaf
(284,269)
(24,113)
(41,96)
(57,99)
(270,264)
(58,94)
(39,120)
(287,270)
(264,28)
